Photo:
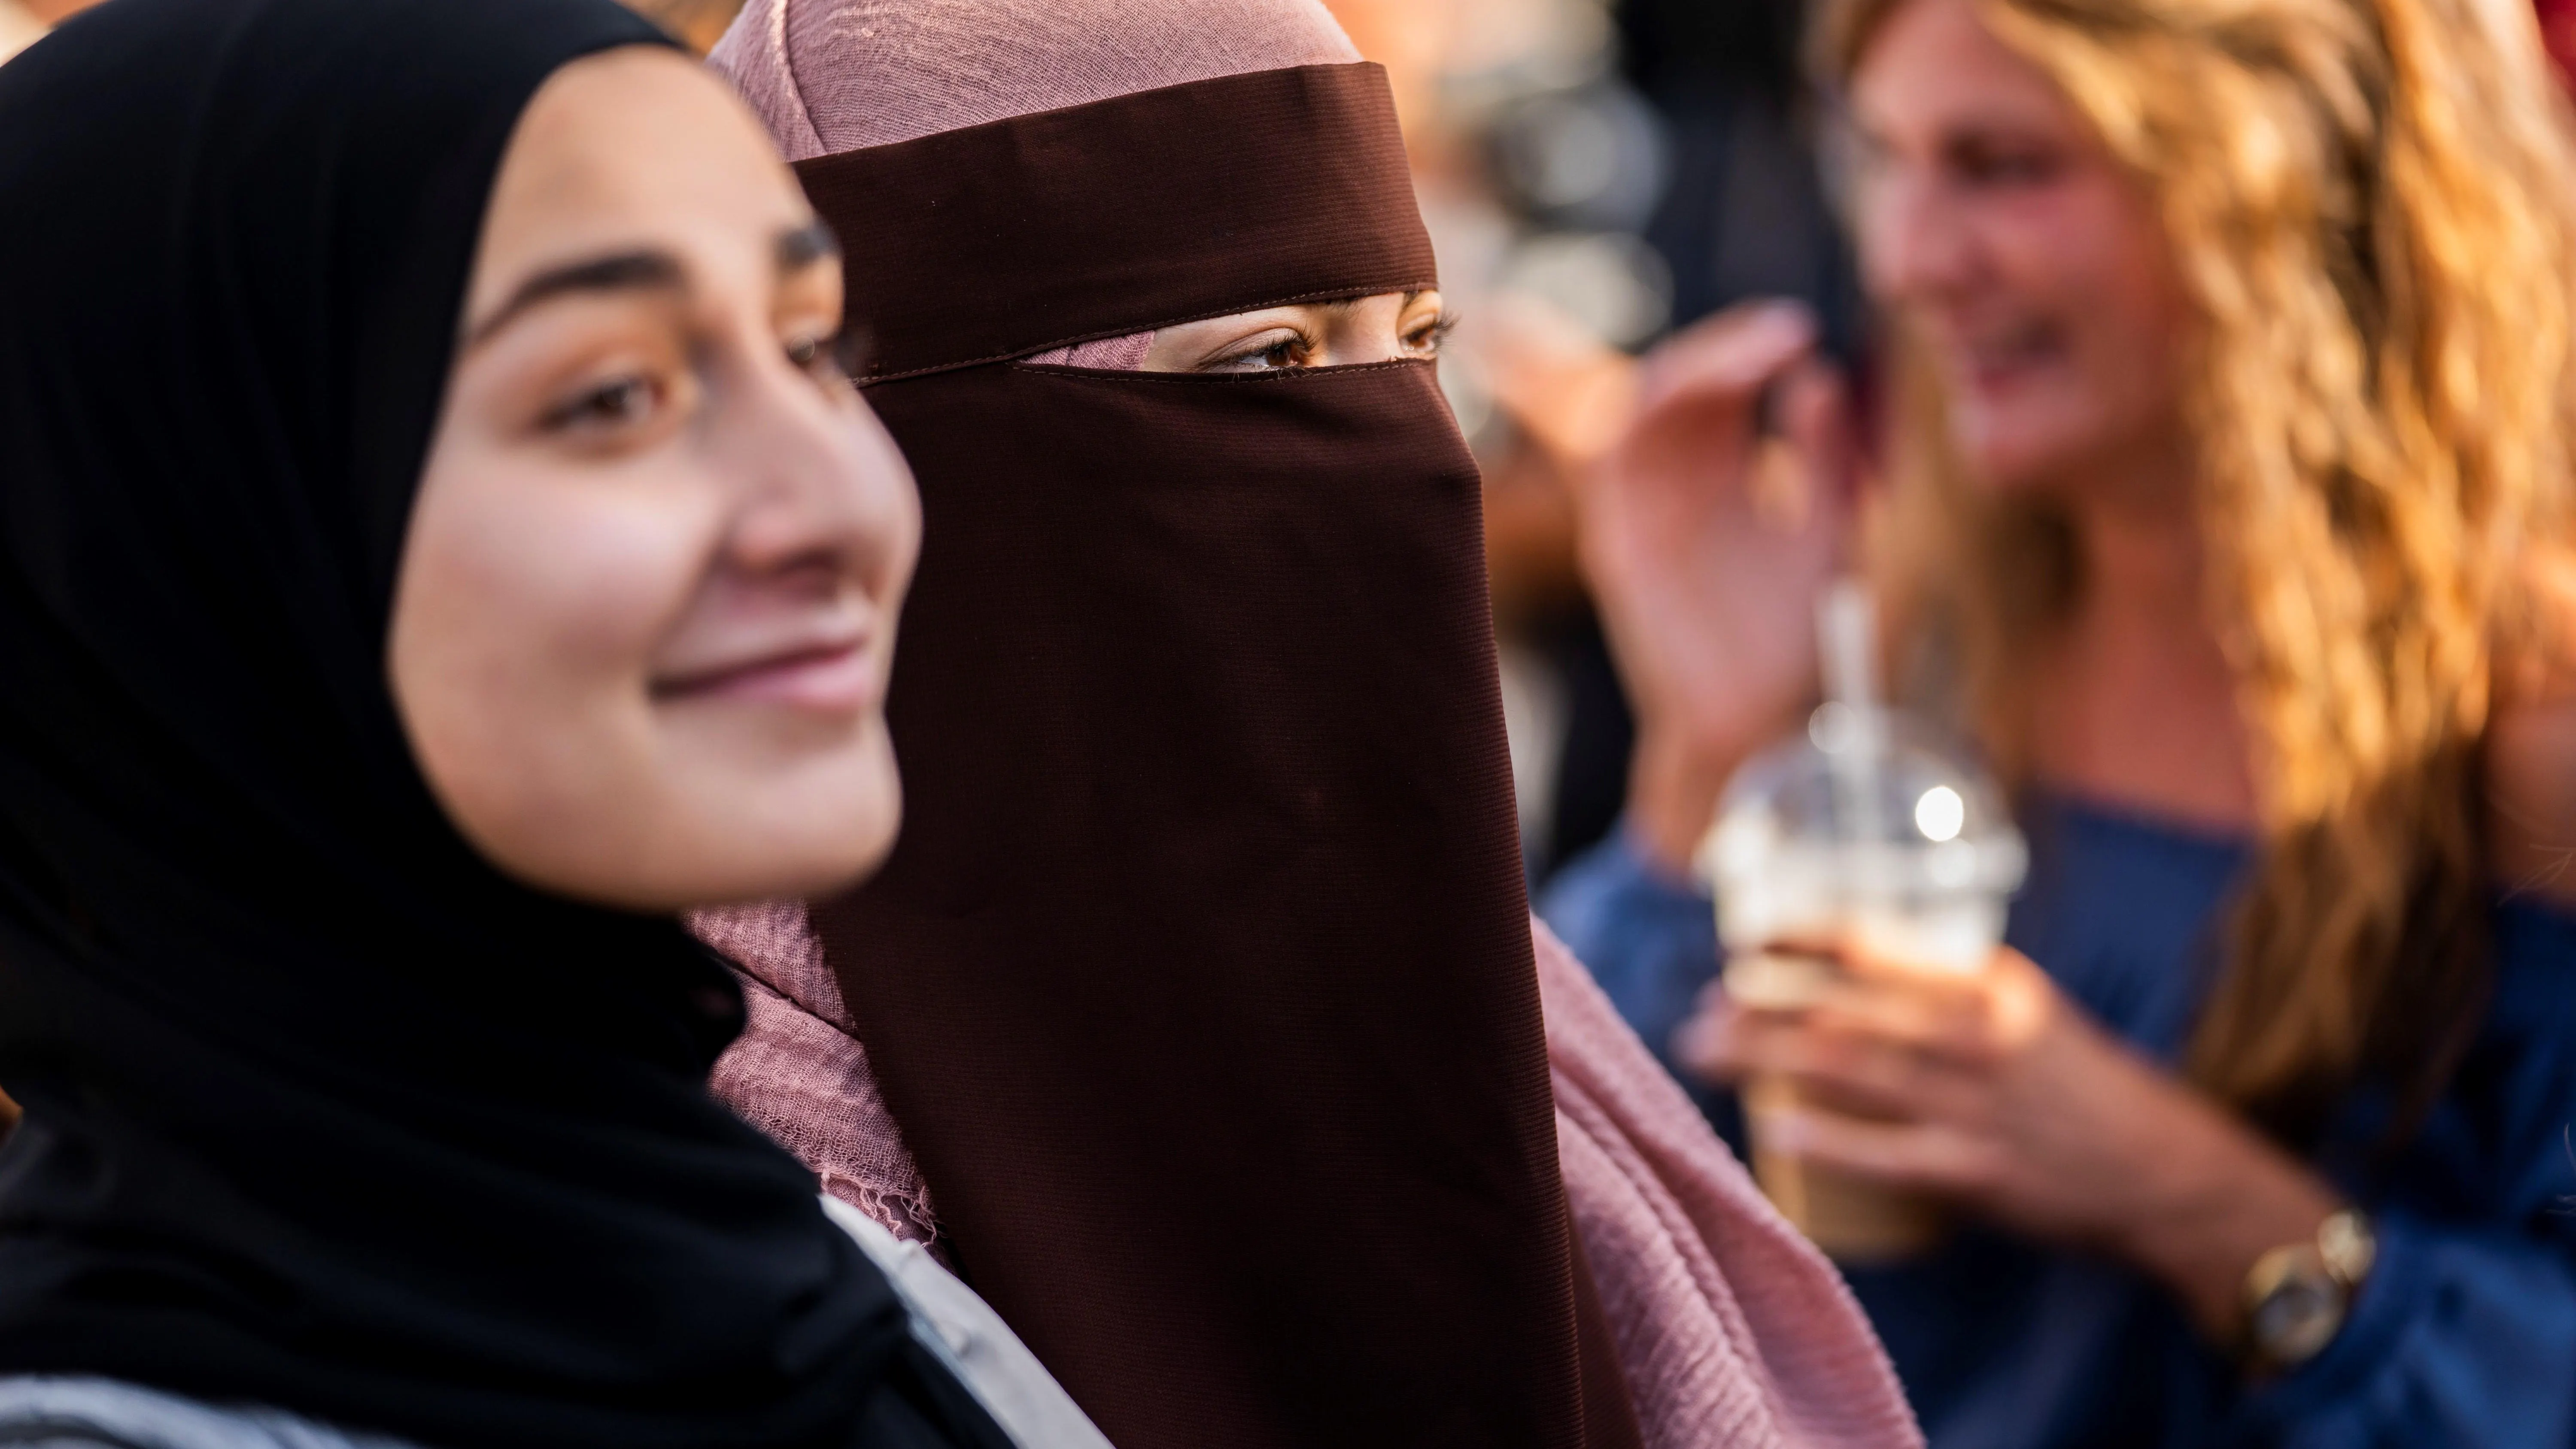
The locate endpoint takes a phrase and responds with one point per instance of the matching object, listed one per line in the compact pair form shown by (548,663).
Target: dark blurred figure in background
(2233,362)
(1743,212)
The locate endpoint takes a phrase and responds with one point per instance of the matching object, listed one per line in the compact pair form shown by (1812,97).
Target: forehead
(1933,63)
(636,148)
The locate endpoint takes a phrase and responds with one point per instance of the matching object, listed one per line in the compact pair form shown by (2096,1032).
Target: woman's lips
(835,678)
(1996,362)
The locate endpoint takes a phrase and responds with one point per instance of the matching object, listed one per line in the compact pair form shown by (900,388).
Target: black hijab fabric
(321,1111)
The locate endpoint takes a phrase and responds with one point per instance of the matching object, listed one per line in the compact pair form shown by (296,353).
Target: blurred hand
(2530,746)
(1989,1089)
(1707,531)
(1567,396)
(1996,1092)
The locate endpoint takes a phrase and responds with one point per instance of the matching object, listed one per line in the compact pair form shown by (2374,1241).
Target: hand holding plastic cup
(1861,829)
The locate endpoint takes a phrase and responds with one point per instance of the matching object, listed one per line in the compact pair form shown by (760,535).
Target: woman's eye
(819,356)
(1426,339)
(622,403)
(2007,166)
(1271,351)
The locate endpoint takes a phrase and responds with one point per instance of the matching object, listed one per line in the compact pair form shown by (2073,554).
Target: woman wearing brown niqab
(1201,983)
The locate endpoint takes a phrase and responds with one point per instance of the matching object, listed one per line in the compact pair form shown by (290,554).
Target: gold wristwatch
(2297,1297)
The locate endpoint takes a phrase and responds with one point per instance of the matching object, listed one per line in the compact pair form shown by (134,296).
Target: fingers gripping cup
(1861,829)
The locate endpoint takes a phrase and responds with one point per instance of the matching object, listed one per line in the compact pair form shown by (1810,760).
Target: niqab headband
(1009,238)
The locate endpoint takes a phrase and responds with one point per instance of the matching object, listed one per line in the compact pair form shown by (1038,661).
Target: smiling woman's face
(1996,224)
(648,597)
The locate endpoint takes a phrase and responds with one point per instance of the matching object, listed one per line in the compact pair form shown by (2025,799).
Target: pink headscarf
(798,1073)
(899,69)
(1731,1328)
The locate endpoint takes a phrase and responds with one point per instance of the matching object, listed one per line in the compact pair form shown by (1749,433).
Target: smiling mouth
(2000,358)
(831,678)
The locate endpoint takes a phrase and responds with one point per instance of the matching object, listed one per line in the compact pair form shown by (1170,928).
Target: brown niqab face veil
(1201,979)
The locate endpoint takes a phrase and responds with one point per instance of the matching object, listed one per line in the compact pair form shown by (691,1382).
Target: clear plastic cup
(1864,828)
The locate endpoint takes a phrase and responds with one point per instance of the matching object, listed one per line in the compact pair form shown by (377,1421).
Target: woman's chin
(799,844)
(812,828)
(862,852)
(2020,463)
(2035,446)
(821,848)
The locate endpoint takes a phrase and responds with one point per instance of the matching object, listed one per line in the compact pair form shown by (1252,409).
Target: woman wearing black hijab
(435,549)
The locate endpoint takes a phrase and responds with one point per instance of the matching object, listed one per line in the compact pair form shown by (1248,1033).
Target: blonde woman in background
(2226,508)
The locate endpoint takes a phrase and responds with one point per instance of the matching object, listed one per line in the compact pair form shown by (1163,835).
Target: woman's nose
(822,479)
(1914,242)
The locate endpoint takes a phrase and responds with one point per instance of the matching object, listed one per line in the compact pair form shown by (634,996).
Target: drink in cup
(1861,829)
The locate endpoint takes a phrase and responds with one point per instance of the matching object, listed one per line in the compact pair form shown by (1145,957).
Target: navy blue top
(2464,1335)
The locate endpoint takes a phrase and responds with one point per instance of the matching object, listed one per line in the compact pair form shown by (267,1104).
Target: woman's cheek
(2049,242)
(613,572)
(534,596)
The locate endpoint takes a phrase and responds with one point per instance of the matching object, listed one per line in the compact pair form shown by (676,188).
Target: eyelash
(828,360)
(825,357)
(1432,336)
(595,406)
(1296,339)
(2008,168)
(1426,339)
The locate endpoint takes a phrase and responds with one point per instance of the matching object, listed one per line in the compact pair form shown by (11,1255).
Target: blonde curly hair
(2372,205)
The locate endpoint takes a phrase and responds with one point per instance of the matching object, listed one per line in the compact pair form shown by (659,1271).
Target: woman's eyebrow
(618,272)
(646,269)
(803,246)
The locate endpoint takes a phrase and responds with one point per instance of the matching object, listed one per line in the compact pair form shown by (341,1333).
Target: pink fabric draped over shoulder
(1732,1330)
(798,1073)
